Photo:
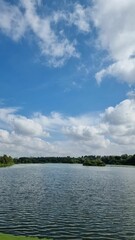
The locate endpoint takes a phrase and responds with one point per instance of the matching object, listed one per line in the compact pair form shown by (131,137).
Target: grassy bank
(11,237)
(6,165)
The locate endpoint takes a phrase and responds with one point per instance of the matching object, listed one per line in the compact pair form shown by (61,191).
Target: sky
(67,77)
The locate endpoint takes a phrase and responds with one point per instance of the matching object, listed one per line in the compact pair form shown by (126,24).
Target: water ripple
(68,201)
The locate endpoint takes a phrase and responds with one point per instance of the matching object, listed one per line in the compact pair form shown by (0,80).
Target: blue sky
(67,75)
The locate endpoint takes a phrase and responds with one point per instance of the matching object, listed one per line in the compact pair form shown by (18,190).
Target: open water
(68,201)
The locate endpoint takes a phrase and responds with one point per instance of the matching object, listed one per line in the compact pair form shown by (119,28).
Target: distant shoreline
(87,160)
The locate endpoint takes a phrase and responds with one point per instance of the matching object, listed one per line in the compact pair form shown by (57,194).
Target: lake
(68,201)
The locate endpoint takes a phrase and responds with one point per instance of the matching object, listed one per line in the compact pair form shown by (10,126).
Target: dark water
(66,201)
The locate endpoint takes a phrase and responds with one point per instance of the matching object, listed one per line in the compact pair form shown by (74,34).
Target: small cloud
(131,94)
(100,75)
(122,70)
(80,17)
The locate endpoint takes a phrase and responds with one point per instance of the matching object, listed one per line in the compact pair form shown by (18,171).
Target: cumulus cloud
(88,134)
(25,126)
(116,34)
(109,132)
(18,145)
(123,113)
(20,135)
(121,123)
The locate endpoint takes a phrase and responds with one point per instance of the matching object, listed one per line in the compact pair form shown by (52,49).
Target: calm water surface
(66,201)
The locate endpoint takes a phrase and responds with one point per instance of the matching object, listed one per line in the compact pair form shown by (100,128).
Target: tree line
(85,160)
(88,160)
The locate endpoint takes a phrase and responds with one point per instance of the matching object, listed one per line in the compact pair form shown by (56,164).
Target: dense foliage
(119,160)
(6,161)
(85,160)
(97,162)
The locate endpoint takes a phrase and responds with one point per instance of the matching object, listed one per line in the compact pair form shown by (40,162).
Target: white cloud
(109,132)
(12,21)
(115,23)
(123,70)
(25,126)
(20,124)
(18,145)
(23,17)
(4,136)
(121,124)
(77,15)
(123,113)
(32,17)
(80,17)
(57,48)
